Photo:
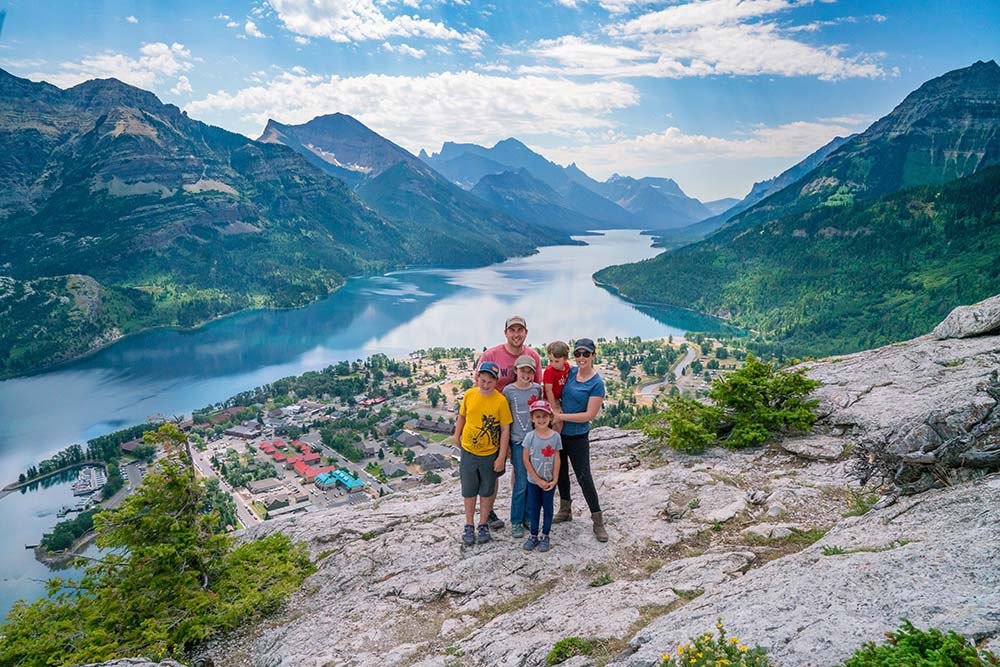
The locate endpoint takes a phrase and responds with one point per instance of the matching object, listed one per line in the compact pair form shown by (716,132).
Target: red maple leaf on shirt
(547,451)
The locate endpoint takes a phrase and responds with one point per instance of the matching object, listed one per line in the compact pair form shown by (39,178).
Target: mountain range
(619,202)
(867,247)
(119,213)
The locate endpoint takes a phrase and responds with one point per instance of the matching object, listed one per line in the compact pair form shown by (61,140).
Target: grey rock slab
(910,397)
(975,320)
(814,447)
(719,502)
(135,662)
(932,558)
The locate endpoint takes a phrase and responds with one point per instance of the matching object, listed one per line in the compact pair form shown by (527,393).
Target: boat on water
(89,481)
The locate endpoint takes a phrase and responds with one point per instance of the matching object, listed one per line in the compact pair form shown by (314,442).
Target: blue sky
(714,93)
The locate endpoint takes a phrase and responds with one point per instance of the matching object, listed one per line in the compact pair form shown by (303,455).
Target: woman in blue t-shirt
(582,397)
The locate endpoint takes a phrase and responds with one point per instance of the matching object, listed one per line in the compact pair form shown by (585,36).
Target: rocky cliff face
(759,538)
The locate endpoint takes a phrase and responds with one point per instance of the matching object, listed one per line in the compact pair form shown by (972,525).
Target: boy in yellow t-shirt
(482,432)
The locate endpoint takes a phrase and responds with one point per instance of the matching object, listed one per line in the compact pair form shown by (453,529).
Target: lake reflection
(172,372)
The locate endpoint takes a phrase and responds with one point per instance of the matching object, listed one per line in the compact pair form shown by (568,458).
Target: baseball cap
(525,361)
(541,405)
(514,319)
(585,344)
(489,367)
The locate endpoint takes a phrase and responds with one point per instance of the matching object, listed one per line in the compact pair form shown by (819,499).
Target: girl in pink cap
(541,460)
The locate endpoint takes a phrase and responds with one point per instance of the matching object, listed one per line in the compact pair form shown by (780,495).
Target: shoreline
(14,486)
(91,351)
(655,304)
(62,559)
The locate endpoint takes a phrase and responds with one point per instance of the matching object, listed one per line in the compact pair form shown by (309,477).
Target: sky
(716,94)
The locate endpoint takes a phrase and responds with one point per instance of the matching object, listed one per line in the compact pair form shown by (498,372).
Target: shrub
(750,405)
(686,426)
(706,650)
(912,647)
(565,649)
(167,580)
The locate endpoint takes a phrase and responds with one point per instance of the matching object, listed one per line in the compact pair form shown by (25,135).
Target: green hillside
(838,279)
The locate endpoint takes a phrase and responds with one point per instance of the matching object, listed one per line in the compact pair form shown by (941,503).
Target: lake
(172,372)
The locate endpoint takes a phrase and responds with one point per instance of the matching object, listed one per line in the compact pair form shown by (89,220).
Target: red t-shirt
(556,378)
(505,360)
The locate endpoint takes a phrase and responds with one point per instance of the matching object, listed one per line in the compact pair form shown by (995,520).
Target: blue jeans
(518,513)
(538,501)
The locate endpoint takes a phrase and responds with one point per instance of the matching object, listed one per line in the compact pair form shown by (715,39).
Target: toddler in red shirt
(555,376)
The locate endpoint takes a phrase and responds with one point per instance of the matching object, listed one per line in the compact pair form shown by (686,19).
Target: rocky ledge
(760,538)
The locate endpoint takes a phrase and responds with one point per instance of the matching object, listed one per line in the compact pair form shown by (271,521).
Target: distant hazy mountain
(525,197)
(658,202)
(118,212)
(646,203)
(440,218)
(871,246)
(721,205)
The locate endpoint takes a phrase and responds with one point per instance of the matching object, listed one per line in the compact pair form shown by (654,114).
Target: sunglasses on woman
(582,353)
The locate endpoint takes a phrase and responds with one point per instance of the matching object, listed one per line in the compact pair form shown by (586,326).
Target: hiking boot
(565,512)
(469,535)
(530,543)
(517,532)
(599,531)
(544,544)
(483,536)
(496,523)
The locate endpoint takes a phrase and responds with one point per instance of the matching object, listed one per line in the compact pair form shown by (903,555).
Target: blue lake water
(173,372)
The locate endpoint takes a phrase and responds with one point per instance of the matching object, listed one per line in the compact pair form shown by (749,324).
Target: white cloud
(661,151)
(423,111)
(348,21)
(232,24)
(131,19)
(251,29)
(299,39)
(222,17)
(404,49)
(183,86)
(702,38)
(156,61)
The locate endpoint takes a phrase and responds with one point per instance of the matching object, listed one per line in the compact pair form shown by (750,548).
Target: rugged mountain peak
(340,144)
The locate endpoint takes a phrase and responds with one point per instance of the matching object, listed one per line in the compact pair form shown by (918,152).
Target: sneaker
(543,544)
(469,536)
(484,534)
(517,532)
(496,523)
(530,543)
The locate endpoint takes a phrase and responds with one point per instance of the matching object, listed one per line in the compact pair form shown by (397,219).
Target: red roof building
(312,457)
(278,456)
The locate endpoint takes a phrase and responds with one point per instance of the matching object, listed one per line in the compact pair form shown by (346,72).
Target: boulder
(975,320)
(914,409)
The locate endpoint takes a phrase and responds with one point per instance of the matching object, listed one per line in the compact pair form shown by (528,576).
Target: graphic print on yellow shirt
(484,418)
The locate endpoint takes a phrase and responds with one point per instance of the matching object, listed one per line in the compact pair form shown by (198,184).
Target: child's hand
(550,485)
(499,465)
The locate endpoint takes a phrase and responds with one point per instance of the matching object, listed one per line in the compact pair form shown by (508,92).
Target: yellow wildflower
(699,654)
(734,640)
(680,650)
(743,648)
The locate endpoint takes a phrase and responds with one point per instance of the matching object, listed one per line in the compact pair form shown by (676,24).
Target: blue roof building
(338,478)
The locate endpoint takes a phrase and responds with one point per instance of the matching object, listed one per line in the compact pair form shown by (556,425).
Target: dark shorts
(478,477)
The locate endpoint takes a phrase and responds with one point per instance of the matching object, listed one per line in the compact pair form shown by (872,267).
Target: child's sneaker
(543,544)
(469,536)
(496,523)
(484,534)
(517,531)
(530,543)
